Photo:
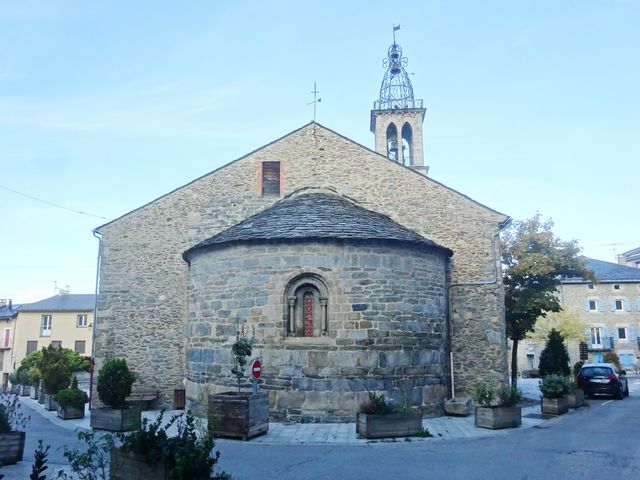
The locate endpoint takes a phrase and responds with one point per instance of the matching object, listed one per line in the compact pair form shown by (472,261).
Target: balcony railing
(607,344)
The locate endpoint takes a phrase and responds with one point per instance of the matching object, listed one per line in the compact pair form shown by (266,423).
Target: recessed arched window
(407,144)
(392,142)
(307,298)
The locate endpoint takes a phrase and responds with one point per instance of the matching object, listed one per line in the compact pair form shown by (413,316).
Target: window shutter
(270,178)
(627,305)
(615,334)
(607,342)
(586,305)
(601,305)
(612,305)
(631,333)
(587,333)
(638,304)
(6,338)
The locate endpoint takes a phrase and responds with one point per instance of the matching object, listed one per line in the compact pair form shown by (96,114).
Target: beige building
(355,270)
(64,320)
(609,310)
(630,258)
(8,315)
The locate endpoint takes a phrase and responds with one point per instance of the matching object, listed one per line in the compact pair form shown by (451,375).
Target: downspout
(95,316)
(502,226)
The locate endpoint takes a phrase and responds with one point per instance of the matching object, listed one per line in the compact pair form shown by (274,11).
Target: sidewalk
(441,428)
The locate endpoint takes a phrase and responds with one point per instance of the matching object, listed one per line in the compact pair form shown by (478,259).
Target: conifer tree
(554,358)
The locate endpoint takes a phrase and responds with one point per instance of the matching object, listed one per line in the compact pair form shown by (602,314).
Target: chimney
(10,303)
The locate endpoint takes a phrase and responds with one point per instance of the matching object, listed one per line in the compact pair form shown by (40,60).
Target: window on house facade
(590,286)
(45,326)
(56,343)
(81,320)
(6,338)
(306,298)
(622,333)
(32,346)
(270,178)
(80,346)
(596,336)
(593,305)
(618,305)
(616,286)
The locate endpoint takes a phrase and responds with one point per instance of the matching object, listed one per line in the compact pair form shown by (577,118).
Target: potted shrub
(34,380)
(149,453)
(380,418)
(239,414)
(15,386)
(12,429)
(71,401)
(575,397)
(114,384)
(56,374)
(23,379)
(554,387)
(497,411)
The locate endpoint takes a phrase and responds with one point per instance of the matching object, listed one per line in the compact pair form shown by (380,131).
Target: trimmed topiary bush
(114,383)
(72,396)
(554,358)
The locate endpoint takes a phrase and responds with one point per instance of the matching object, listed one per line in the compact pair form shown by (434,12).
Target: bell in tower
(397,116)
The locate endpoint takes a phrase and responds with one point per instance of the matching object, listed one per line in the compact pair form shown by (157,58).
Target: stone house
(610,311)
(354,269)
(630,258)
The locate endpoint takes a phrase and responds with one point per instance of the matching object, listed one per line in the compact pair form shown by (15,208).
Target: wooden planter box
(392,425)
(25,390)
(49,403)
(239,415)
(11,447)
(116,420)
(498,417)
(34,393)
(576,399)
(555,406)
(131,466)
(70,413)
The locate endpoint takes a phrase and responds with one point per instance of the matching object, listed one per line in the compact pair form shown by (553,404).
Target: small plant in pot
(554,388)
(114,384)
(71,401)
(379,418)
(239,414)
(497,408)
(12,429)
(56,373)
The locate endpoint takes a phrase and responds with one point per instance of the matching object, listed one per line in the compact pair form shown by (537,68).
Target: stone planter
(555,406)
(116,420)
(70,413)
(131,466)
(498,417)
(239,415)
(41,396)
(392,425)
(25,390)
(576,399)
(11,447)
(34,393)
(49,403)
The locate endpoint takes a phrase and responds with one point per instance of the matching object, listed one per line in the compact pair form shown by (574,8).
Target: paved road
(600,441)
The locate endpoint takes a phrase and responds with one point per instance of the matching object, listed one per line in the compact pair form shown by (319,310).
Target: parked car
(603,378)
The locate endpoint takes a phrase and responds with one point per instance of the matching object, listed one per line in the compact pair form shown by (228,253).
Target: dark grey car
(603,378)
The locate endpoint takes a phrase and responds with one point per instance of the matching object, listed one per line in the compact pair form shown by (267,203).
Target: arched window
(407,145)
(392,142)
(307,299)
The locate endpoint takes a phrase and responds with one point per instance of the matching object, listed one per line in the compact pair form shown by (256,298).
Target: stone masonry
(142,306)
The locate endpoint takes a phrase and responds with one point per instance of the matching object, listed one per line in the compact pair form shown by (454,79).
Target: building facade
(354,269)
(609,310)
(64,320)
(630,258)
(8,315)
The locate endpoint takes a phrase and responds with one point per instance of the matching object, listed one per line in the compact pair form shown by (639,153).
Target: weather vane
(316,100)
(395,29)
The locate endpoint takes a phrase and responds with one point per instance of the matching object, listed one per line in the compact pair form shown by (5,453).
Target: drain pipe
(492,281)
(95,316)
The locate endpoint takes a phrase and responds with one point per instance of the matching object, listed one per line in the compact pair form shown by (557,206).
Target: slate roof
(316,216)
(8,312)
(62,303)
(609,272)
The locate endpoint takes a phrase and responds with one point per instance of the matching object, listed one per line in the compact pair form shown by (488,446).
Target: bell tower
(397,116)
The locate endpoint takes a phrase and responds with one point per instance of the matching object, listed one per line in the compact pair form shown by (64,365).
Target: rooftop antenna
(316,100)
(55,286)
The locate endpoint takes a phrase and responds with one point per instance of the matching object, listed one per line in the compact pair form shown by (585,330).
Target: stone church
(355,269)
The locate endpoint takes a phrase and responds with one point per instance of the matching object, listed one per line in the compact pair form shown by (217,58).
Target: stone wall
(386,325)
(142,304)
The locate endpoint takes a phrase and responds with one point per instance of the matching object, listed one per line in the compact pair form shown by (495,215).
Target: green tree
(534,262)
(55,369)
(554,358)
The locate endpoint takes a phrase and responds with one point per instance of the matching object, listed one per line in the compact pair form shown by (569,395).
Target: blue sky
(104,106)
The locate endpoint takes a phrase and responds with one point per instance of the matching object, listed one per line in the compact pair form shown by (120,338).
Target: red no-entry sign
(256,368)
